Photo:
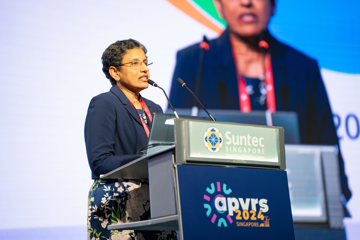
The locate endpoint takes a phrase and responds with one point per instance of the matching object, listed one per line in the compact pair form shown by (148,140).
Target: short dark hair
(114,54)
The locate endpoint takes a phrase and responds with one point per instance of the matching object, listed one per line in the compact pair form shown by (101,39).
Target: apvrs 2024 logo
(224,208)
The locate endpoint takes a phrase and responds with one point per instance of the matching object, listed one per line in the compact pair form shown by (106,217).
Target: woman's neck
(244,46)
(248,56)
(132,96)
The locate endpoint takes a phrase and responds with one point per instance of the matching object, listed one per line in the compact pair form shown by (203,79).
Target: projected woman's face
(246,18)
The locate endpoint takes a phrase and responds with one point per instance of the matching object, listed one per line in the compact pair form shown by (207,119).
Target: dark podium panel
(234,203)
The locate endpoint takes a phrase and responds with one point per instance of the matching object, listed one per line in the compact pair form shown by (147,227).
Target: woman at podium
(117,125)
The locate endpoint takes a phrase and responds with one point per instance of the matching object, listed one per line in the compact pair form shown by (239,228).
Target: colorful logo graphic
(223,209)
(203,12)
(218,217)
(213,139)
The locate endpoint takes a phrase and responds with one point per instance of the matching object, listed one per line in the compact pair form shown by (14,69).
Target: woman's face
(246,18)
(134,73)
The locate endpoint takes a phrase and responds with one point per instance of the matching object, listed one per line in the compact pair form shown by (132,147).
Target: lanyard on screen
(148,114)
(244,98)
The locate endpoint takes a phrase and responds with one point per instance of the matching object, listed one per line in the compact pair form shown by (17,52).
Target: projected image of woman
(117,125)
(247,69)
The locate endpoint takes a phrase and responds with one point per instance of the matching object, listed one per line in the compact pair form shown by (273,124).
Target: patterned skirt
(113,202)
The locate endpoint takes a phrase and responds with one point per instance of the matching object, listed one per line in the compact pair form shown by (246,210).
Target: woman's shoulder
(103,100)
(293,54)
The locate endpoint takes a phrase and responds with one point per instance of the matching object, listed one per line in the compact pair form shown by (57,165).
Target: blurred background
(50,68)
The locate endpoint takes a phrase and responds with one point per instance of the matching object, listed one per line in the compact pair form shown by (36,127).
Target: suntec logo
(213,139)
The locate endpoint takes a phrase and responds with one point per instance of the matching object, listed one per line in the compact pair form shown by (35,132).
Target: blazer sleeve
(100,130)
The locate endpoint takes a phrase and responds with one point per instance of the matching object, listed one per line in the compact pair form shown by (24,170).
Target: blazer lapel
(224,68)
(279,73)
(126,103)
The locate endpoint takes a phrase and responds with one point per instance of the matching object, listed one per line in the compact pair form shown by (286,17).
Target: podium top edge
(137,160)
(227,123)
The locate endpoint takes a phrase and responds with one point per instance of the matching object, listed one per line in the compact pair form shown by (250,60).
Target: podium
(315,192)
(218,180)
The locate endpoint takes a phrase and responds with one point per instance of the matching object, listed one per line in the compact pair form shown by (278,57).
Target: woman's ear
(114,73)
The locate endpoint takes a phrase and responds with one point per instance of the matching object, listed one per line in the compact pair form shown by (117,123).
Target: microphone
(263,45)
(154,84)
(183,84)
(204,46)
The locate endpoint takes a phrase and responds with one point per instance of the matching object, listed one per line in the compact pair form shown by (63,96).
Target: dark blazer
(113,131)
(297,82)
